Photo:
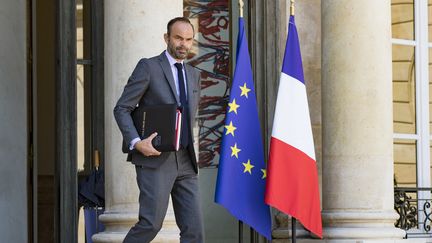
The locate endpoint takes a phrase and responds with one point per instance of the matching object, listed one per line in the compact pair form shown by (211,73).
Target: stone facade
(347,56)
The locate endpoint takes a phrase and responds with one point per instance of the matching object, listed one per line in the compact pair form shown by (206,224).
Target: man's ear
(166,38)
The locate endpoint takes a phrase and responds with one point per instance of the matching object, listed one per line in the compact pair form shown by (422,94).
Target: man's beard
(174,51)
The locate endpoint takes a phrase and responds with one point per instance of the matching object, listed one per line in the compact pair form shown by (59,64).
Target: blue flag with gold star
(242,171)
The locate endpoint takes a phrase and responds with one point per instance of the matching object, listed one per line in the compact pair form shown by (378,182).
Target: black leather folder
(157,118)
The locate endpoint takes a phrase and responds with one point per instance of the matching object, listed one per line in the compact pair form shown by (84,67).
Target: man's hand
(145,146)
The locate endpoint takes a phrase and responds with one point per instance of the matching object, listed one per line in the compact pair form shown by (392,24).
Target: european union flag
(242,171)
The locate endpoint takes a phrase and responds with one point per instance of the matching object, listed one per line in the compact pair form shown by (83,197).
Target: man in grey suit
(164,79)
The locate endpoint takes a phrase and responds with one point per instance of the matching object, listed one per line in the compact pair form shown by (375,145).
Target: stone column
(357,181)
(133,29)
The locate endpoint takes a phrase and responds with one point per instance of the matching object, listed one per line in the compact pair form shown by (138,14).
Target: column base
(350,226)
(109,237)
(361,224)
(353,241)
(113,237)
(117,225)
(390,233)
(345,235)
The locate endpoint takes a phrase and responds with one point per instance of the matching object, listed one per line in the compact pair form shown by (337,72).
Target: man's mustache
(181,48)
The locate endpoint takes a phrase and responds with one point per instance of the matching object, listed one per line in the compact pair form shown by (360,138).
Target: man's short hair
(178,19)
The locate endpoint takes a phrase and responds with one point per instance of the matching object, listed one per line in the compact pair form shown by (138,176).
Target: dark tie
(184,136)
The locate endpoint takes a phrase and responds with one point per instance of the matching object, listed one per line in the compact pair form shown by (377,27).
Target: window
(412,114)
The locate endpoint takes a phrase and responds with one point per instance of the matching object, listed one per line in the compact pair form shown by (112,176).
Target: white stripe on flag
(292,122)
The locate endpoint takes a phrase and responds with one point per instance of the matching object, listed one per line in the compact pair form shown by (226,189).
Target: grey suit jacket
(152,83)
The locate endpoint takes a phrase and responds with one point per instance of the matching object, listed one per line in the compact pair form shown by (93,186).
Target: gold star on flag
(264,173)
(233,106)
(248,167)
(230,129)
(244,90)
(235,150)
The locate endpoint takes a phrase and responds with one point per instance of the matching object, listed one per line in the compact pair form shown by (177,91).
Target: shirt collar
(171,59)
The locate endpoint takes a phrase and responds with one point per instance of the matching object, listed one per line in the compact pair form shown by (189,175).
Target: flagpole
(240,231)
(293,220)
(241,4)
(292,8)
(293,229)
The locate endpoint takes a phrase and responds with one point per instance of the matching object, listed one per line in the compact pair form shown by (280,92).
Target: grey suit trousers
(178,178)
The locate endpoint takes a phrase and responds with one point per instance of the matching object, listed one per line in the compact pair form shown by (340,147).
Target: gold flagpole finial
(292,7)
(241,4)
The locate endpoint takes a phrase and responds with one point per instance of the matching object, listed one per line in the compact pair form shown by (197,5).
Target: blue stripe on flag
(292,66)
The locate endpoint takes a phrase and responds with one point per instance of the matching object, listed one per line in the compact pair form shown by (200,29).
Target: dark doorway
(67,110)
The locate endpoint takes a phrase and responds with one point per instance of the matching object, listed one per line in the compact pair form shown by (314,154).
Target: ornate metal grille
(414,208)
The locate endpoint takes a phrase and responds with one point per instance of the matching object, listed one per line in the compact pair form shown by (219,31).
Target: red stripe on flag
(292,185)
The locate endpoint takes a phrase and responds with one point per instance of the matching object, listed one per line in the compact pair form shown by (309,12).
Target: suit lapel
(168,75)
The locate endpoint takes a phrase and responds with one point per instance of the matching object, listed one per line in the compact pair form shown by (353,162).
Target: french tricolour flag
(292,177)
